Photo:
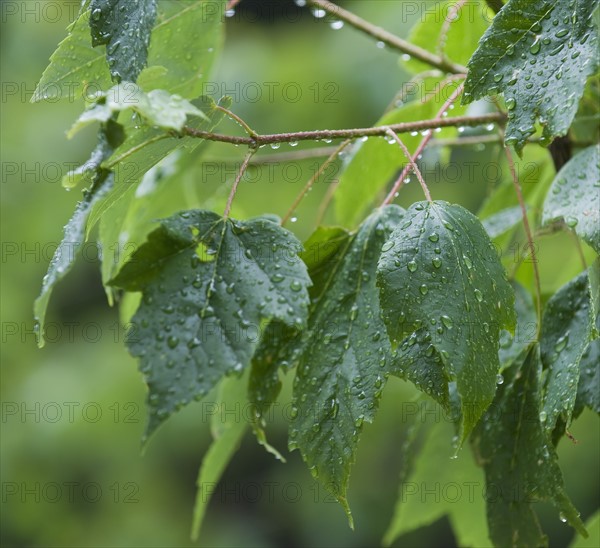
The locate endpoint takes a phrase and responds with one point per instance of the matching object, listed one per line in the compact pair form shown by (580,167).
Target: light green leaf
(74,66)
(539,54)
(158,107)
(503,221)
(575,196)
(521,466)
(440,485)
(228,430)
(110,136)
(593,540)
(346,357)
(439,273)
(186,42)
(566,332)
(176,63)
(124,27)
(208,285)
(455,39)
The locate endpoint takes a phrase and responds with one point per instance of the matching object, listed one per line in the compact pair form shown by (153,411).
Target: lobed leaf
(440,275)
(346,356)
(538,53)
(566,332)
(208,286)
(520,464)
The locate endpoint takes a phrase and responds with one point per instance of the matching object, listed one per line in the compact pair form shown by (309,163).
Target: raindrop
(447,321)
(499,379)
(423,289)
(478,295)
(412,266)
(275,146)
(336,25)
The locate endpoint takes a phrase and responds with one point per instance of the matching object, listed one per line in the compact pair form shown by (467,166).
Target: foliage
(421,293)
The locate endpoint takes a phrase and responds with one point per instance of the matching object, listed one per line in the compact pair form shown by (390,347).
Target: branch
(517,185)
(326,134)
(411,162)
(387,38)
(438,118)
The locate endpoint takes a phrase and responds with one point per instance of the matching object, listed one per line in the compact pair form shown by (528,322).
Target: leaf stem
(411,162)
(238,178)
(517,185)
(326,134)
(313,180)
(387,38)
(438,118)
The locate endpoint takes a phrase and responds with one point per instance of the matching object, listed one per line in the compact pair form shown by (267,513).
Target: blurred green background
(73,412)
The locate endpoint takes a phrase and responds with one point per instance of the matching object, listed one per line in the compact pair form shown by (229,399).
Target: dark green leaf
(575,196)
(588,387)
(539,54)
(110,137)
(124,27)
(566,333)
(346,357)
(521,466)
(440,274)
(209,285)
(511,347)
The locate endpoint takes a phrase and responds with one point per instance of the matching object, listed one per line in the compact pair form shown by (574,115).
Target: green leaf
(375,163)
(185,44)
(521,466)
(439,273)
(74,66)
(566,332)
(346,356)
(227,430)
(124,27)
(588,388)
(593,540)
(208,285)
(143,192)
(575,196)
(158,107)
(503,221)
(440,485)
(110,136)
(278,349)
(512,346)
(539,54)
(456,39)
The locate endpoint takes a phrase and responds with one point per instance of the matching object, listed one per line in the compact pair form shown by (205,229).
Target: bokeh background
(73,412)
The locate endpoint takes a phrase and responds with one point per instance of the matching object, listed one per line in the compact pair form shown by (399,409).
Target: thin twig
(579,249)
(450,17)
(237,119)
(517,185)
(438,118)
(326,201)
(313,179)
(387,38)
(238,178)
(412,163)
(327,134)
